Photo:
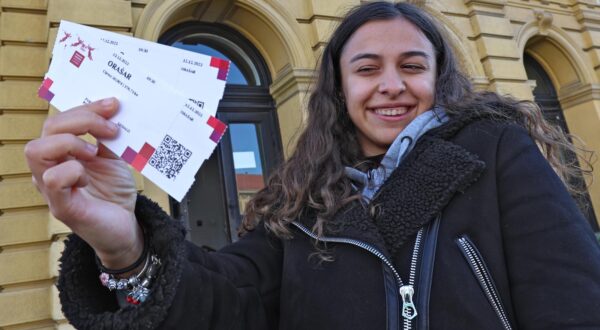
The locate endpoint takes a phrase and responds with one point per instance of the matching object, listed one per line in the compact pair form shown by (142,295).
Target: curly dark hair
(313,178)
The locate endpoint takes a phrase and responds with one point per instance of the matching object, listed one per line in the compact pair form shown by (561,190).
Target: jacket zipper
(409,311)
(484,278)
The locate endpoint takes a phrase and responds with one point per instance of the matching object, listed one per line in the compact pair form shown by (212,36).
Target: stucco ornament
(544,20)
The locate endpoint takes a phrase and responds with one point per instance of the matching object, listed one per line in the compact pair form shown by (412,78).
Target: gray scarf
(372,180)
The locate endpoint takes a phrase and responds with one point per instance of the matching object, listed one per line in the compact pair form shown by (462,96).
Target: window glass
(246,161)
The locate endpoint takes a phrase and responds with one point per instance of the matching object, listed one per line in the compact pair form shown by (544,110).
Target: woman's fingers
(49,151)
(56,147)
(89,118)
(85,185)
(59,184)
(59,141)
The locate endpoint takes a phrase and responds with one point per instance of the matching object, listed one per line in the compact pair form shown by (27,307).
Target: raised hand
(86,186)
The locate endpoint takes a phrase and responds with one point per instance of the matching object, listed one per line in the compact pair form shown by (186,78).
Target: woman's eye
(414,67)
(366,69)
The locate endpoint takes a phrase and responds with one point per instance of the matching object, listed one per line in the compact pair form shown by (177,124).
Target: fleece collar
(415,192)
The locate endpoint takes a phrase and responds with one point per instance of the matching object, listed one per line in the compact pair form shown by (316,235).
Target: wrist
(130,259)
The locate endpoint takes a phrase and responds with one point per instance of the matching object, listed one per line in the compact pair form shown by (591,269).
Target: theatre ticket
(168,99)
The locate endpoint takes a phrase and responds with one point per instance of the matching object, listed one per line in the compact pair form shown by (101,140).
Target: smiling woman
(388,86)
(410,201)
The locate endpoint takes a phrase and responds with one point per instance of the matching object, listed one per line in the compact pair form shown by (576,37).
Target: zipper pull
(408,307)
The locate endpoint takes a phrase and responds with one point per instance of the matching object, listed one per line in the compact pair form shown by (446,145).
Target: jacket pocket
(483,276)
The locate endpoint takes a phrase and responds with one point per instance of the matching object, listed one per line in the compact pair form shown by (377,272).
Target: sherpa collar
(415,192)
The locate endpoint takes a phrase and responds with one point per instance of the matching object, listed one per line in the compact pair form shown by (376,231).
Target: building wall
(489,36)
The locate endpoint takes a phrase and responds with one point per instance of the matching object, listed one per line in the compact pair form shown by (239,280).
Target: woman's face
(388,73)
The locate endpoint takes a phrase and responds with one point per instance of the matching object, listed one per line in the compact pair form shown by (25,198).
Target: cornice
(289,82)
(575,94)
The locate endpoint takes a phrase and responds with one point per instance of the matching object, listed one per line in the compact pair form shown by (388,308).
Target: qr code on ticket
(170,157)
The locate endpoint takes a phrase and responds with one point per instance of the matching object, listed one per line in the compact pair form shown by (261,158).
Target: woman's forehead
(380,37)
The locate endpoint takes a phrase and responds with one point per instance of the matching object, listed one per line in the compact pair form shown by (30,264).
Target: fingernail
(108,103)
(92,148)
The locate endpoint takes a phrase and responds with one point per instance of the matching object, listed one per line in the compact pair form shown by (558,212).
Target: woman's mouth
(391,111)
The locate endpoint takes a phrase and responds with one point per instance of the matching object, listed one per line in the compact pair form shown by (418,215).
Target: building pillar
(498,51)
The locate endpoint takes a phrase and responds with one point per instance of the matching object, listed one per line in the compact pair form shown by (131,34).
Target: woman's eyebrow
(361,56)
(372,56)
(413,53)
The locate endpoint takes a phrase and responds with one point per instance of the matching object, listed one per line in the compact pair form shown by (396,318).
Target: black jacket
(503,245)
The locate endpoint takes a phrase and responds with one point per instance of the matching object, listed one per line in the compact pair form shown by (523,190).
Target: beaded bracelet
(138,285)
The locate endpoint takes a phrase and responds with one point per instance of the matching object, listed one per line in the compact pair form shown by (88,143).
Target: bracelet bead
(138,286)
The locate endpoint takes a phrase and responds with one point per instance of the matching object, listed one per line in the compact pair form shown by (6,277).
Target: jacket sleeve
(234,288)
(552,256)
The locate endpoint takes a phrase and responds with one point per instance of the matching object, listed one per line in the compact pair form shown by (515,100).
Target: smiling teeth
(391,112)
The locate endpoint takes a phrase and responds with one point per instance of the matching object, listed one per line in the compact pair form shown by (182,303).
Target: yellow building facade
(491,38)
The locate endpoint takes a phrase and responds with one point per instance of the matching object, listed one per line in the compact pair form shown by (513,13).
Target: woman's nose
(391,84)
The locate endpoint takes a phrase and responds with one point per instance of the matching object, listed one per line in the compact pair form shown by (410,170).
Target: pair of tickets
(168,99)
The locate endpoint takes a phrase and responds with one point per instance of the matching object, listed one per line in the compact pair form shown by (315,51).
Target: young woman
(410,202)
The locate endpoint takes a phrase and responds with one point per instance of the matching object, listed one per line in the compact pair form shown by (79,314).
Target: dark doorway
(545,96)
